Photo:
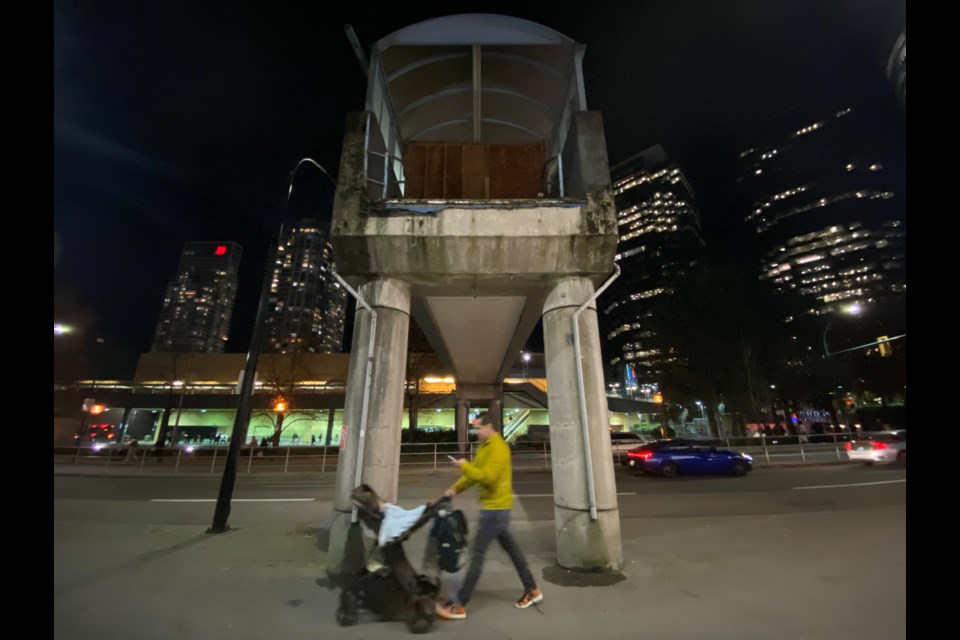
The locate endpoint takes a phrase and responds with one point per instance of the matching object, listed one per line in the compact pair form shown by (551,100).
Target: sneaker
(451,611)
(529,598)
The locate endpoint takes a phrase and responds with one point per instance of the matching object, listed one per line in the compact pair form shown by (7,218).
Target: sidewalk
(810,575)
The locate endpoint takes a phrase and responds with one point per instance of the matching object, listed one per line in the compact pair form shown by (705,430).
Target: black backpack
(449,533)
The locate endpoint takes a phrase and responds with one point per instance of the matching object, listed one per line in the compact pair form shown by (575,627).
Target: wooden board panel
(516,170)
(475,172)
(433,172)
(414,160)
(453,172)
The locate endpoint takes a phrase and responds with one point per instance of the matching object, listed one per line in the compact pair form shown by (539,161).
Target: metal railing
(425,456)
(826,447)
(560,188)
(385,157)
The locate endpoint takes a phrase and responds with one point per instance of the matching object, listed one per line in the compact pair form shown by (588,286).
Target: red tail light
(879,445)
(847,446)
(643,455)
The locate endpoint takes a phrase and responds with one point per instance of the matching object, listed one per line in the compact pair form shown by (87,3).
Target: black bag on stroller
(394,590)
(449,535)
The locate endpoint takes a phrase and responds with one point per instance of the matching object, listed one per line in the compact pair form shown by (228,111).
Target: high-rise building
(198,304)
(897,69)
(659,241)
(307,304)
(828,207)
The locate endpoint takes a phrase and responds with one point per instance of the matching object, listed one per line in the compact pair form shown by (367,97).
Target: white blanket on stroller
(396,521)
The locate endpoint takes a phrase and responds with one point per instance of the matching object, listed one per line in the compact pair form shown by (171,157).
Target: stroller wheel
(423,615)
(347,611)
(420,623)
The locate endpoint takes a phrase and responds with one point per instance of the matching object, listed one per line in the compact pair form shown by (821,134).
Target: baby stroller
(393,590)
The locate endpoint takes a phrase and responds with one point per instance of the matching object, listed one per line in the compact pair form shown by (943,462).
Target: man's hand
(459,462)
(449,493)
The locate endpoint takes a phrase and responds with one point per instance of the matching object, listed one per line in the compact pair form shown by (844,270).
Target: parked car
(670,458)
(880,446)
(624,441)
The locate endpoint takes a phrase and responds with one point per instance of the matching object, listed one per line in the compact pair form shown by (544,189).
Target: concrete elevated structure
(474,193)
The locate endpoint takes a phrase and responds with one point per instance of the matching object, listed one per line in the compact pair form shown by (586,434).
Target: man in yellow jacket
(492,474)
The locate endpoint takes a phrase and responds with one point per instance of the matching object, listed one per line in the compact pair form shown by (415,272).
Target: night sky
(181,121)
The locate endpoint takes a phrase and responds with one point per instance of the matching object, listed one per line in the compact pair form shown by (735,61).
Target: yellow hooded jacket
(491,471)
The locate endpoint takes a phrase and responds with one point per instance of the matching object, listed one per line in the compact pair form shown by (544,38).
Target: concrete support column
(582,543)
(164,426)
(496,410)
(125,423)
(390,298)
(463,429)
(476,395)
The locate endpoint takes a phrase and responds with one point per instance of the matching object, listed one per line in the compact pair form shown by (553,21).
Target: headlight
(747,457)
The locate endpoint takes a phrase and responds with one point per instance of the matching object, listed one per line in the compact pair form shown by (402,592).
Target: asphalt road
(764,491)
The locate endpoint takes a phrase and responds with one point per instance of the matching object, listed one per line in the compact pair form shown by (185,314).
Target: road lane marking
(233,500)
(297,486)
(550,495)
(858,484)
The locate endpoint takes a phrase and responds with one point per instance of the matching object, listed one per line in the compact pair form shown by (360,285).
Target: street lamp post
(238,435)
(526,361)
(853,310)
(703,412)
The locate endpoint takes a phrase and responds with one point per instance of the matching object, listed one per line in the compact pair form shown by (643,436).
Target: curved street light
(222,512)
(853,310)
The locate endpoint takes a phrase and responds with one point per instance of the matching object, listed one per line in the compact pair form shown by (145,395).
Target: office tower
(198,304)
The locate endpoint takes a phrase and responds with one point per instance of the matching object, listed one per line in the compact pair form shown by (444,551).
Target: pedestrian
(132,447)
(313,440)
(264,442)
(492,473)
(295,438)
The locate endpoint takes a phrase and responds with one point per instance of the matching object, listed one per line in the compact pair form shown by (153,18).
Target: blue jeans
(494,525)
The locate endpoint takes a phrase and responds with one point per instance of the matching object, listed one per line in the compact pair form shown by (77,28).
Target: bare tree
(280,376)
(419,357)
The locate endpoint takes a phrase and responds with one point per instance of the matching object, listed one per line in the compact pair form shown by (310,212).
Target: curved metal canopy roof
(476,78)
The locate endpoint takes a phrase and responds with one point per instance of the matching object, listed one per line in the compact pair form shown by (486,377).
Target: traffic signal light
(886,350)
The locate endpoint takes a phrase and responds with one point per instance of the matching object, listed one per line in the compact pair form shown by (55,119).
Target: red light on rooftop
(221,250)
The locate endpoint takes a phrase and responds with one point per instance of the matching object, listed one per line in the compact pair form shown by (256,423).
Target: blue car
(670,458)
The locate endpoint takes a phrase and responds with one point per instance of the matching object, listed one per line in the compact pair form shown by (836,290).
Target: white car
(880,447)
(623,441)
